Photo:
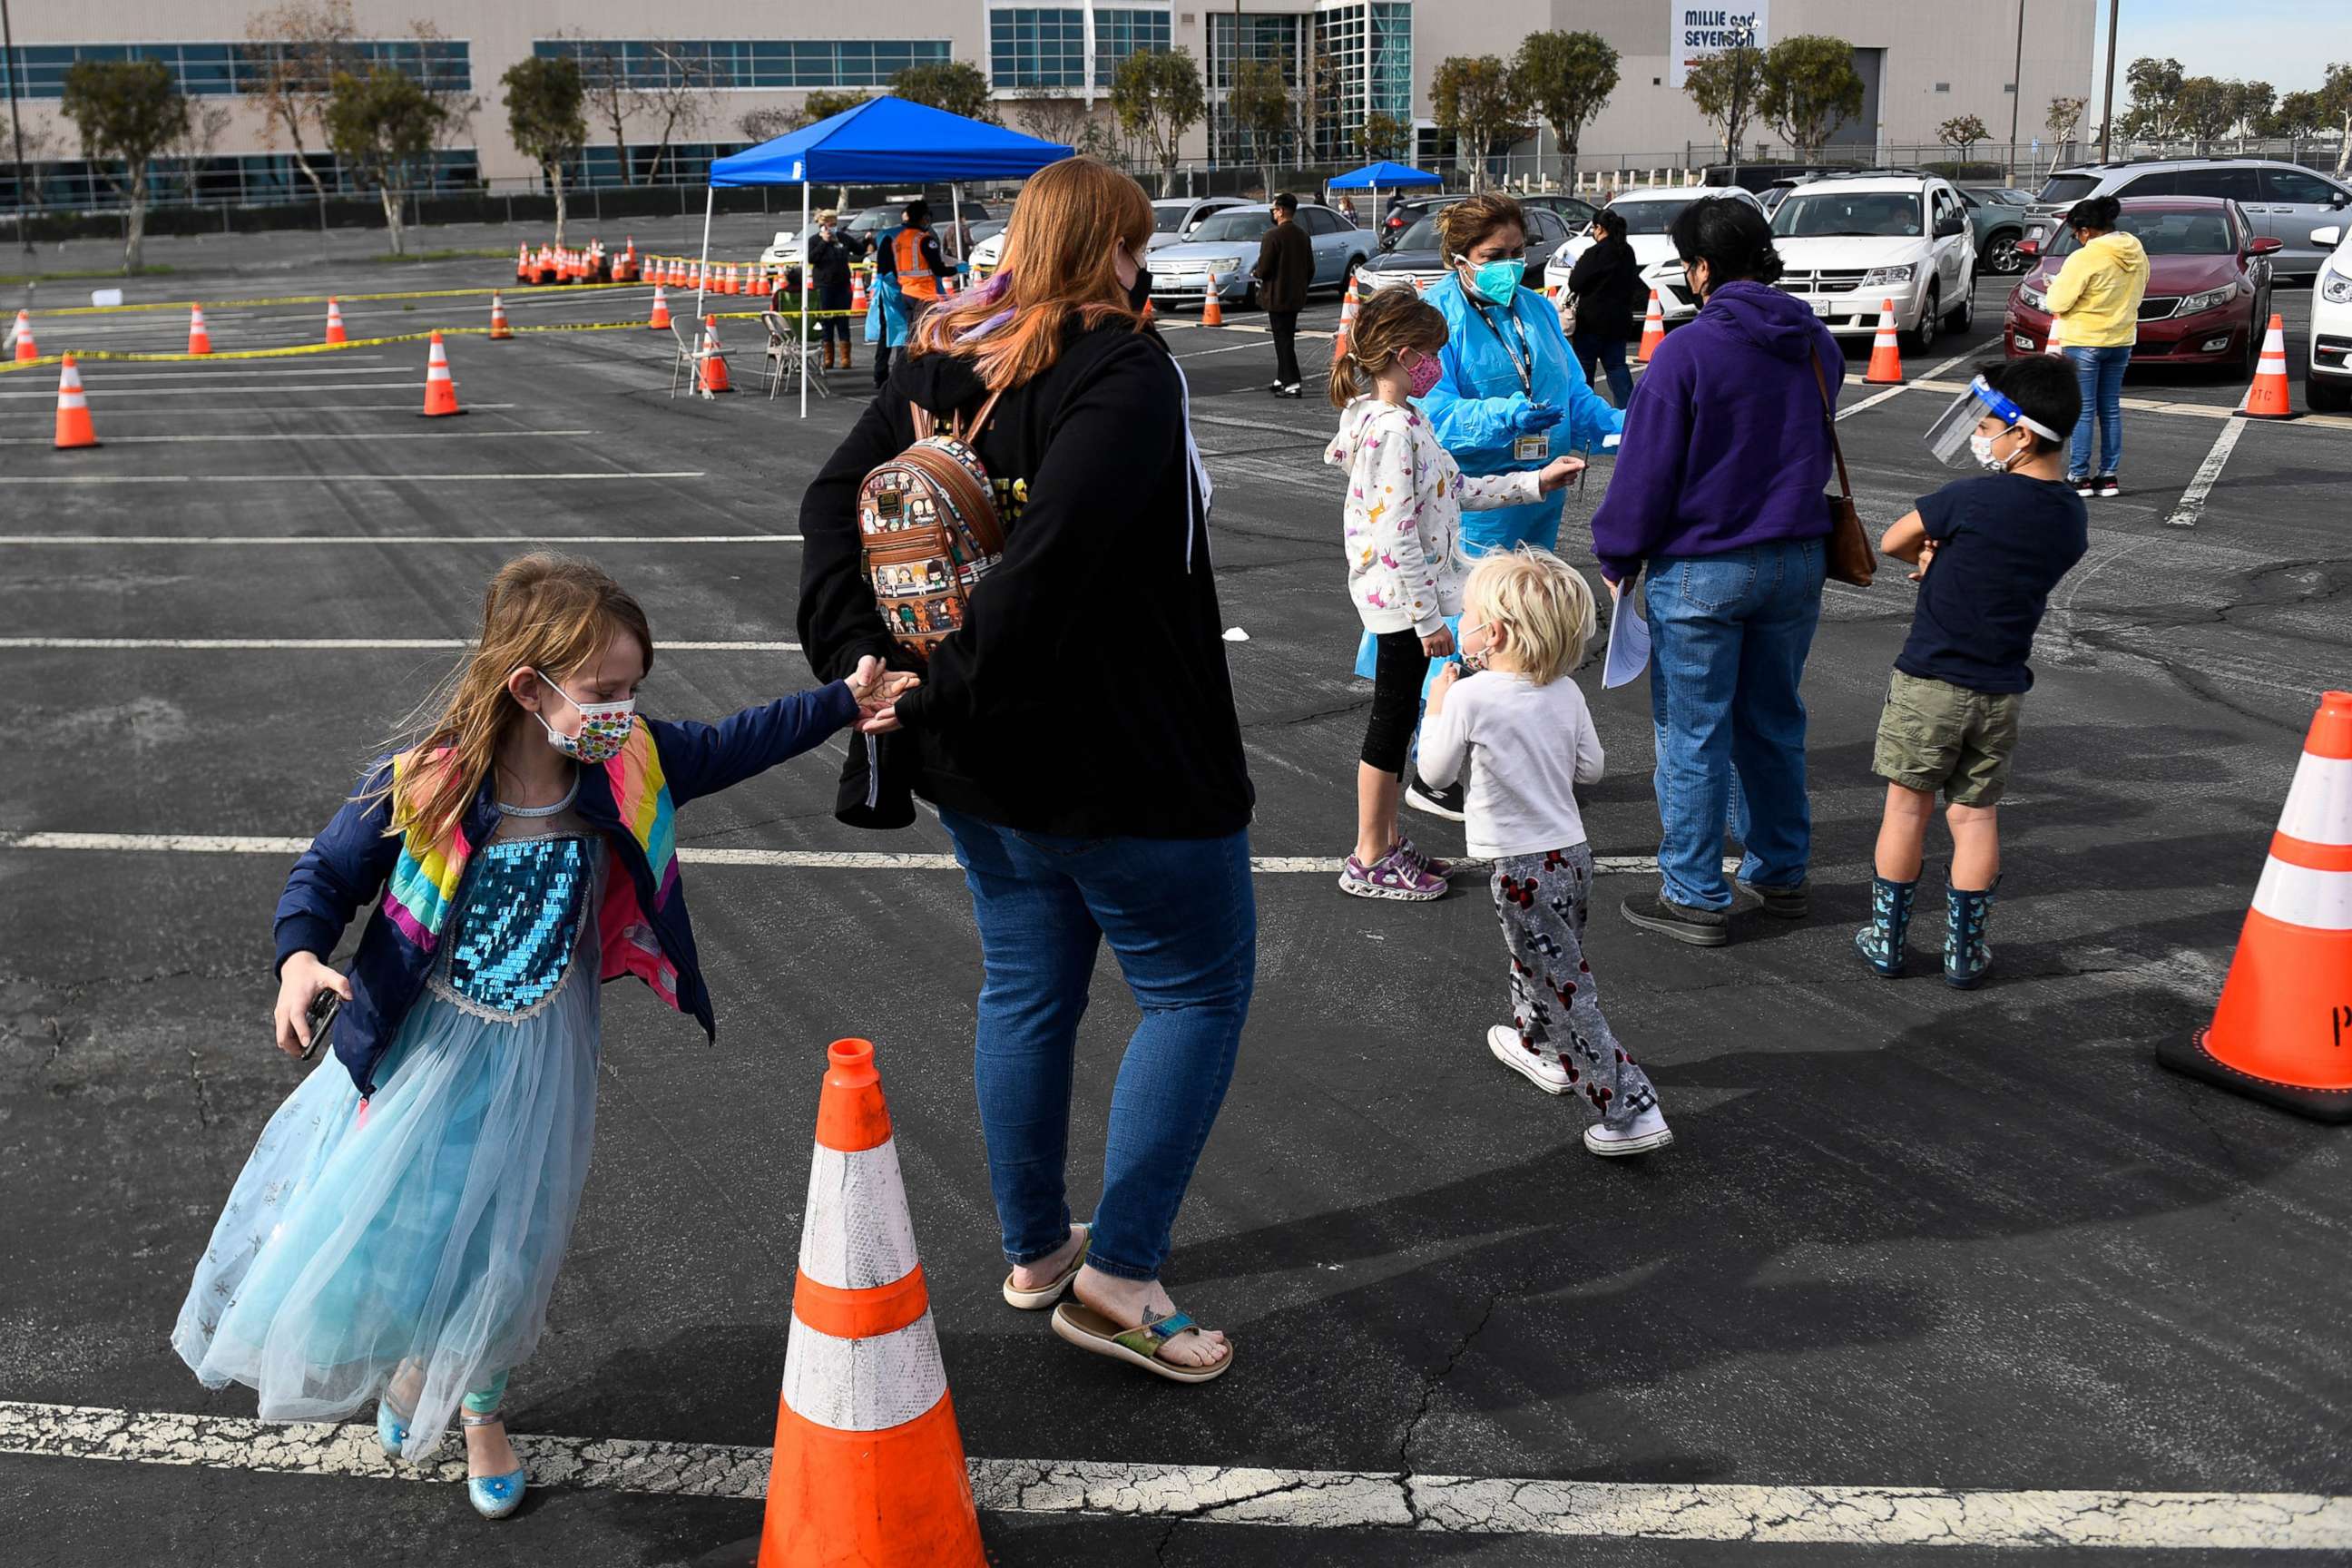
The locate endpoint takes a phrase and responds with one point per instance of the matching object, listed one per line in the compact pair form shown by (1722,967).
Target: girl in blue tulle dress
(397,1231)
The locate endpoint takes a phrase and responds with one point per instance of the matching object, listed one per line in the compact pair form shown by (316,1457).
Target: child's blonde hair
(554,614)
(1538,601)
(1389,322)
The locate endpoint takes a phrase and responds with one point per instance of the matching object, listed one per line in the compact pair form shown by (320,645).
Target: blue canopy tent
(1380,176)
(884,140)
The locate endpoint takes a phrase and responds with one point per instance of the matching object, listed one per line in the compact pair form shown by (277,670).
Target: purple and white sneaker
(1427,862)
(1392,876)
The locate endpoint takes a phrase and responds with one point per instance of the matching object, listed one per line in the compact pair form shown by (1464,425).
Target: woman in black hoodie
(1607,283)
(1089,770)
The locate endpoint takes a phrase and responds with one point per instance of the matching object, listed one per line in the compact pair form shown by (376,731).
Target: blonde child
(1402,526)
(397,1229)
(1526,619)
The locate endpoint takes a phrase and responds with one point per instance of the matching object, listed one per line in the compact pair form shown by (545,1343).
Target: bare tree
(605,84)
(293,50)
(677,99)
(1054,116)
(458,105)
(206,122)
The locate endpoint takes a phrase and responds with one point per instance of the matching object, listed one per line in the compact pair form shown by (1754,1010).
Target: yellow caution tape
(289,350)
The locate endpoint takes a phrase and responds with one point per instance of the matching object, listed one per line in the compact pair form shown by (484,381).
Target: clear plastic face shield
(1949,437)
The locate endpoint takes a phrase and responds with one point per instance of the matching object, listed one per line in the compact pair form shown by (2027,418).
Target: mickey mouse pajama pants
(1541,899)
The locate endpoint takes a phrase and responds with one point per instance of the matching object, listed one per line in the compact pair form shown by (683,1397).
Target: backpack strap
(927,424)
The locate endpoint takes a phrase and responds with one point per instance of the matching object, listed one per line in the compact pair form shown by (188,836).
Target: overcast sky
(2287,43)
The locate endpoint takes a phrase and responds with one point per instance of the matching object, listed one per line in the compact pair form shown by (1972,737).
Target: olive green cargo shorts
(1937,736)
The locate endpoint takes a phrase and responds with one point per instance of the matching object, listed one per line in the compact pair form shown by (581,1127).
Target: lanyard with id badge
(1532,448)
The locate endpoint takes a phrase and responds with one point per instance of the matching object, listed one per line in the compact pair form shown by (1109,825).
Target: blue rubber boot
(1881,941)
(1967,957)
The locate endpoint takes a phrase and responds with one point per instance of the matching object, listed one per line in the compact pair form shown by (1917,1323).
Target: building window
(225,70)
(1030,47)
(1362,66)
(739,63)
(1118,34)
(649,163)
(1943,87)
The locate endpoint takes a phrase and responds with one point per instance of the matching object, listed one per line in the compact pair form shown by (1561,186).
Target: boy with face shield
(1987,550)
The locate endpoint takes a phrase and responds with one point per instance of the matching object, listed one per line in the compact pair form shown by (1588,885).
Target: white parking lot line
(1928,381)
(338,478)
(99,385)
(2192,499)
(329,645)
(789,860)
(1840,1516)
(283,539)
(306,435)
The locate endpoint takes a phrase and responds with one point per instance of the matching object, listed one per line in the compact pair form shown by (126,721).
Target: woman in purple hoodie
(1718,504)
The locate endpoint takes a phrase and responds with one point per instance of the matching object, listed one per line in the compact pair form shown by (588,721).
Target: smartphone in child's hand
(321,1014)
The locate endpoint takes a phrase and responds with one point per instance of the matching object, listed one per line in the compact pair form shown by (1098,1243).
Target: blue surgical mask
(1499,281)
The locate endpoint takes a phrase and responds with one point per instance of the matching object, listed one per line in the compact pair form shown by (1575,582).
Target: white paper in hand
(1629,639)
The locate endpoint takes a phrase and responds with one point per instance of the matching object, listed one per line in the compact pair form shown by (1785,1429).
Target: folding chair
(786,355)
(686,367)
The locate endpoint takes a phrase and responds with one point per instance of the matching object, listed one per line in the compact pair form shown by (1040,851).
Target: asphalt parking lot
(1922,1264)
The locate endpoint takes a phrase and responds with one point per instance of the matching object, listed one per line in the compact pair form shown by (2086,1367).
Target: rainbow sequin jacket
(642,925)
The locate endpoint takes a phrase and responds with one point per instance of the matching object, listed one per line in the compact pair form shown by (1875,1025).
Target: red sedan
(2209,286)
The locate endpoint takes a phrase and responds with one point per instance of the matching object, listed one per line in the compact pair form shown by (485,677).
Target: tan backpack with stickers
(927,529)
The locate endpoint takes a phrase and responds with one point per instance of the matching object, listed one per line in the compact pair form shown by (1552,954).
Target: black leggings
(1399,668)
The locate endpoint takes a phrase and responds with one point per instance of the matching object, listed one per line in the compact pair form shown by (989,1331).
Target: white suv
(2327,377)
(1649,211)
(1852,243)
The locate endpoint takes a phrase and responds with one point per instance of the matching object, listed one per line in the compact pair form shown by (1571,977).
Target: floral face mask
(604,726)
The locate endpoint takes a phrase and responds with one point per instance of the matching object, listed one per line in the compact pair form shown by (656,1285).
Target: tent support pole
(955,206)
(709,200)
(808,277)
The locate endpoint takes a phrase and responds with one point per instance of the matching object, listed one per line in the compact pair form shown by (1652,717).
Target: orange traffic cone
(857,300)
(1885,357)
(499,327)
(440,391)
(869,1465)
(73,409)
(2283,1032)
(1347,323)
(1212,309)
(335,333)
(659,322)
(1653,330)
(2056,346)
(25,348)
(2268,399)
(714,365)
(200,342)
(522,263)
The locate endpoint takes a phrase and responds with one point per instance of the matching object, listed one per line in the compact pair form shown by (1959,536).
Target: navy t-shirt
(2001,543)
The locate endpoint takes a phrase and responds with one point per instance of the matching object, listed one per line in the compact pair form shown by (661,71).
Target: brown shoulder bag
(1847,552)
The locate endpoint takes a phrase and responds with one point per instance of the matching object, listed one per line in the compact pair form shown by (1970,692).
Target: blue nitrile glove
(1530,418)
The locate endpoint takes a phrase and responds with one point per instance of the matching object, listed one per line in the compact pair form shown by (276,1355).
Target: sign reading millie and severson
(1694,32)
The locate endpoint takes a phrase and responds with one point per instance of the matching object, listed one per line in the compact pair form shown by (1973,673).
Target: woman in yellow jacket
(2095,300)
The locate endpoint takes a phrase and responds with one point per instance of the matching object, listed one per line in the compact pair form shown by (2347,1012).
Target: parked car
(1416,260)
(2287,201)
(1574,211)
(1851,244)
(1224,246)
(1649,211)
(2328,378)
(2208,285)
(1401,212)
(1997,219)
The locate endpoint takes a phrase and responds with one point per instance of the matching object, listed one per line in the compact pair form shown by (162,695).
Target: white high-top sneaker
(1640,1136)
(1539,1068)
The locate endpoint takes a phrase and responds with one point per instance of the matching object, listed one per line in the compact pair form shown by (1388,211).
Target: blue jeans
(1728,636)
(1608,351)
(1182,921)
(2100,373)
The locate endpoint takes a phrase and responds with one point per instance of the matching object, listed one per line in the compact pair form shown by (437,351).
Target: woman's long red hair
(1059,253)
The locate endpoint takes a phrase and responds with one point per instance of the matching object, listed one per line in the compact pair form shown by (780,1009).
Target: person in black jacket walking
(1286,268)
(830,251)
(1094,784)
(1607,283)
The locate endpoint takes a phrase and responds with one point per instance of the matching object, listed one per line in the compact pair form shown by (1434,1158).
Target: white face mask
(1981,449)
(604,726)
